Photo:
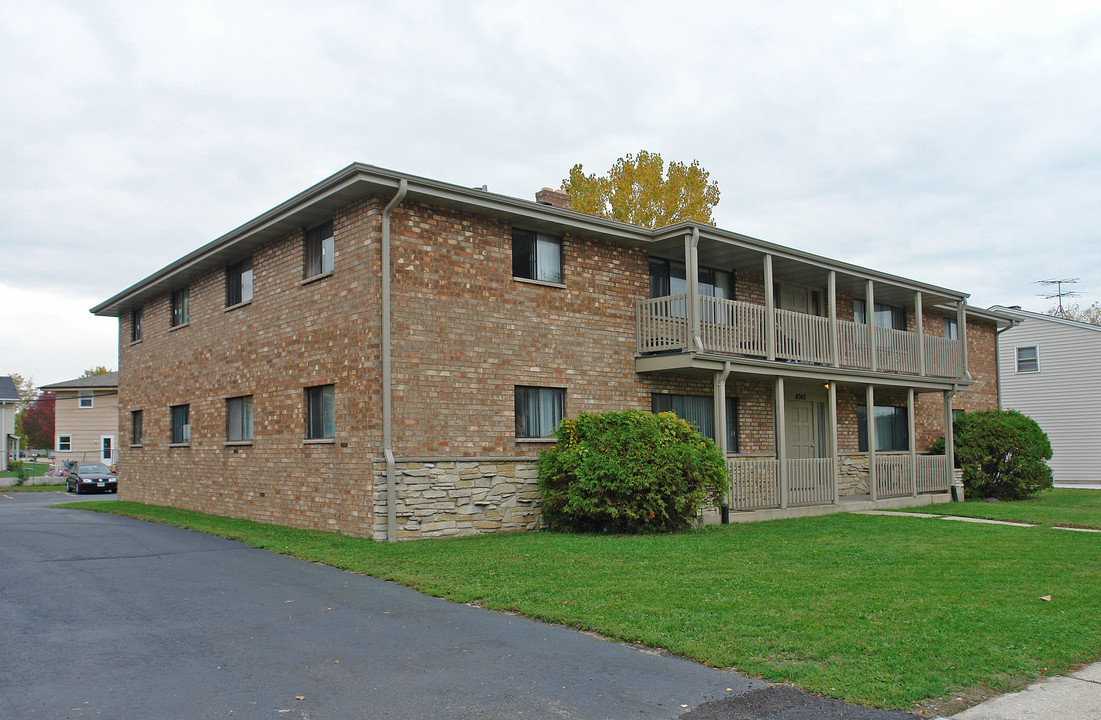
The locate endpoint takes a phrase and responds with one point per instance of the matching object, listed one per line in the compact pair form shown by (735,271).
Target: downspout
(721,412)
(998,359)
(387,388)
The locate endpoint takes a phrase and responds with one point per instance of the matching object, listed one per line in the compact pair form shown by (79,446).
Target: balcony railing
(732,327)
(755,482)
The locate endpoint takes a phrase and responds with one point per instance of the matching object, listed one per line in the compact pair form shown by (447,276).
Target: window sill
(319,441)
(135,342)
(544,283)
(315,278)
(179,445)
(138,446)
(181,326)
(537,440)
(236,443)
(237,305)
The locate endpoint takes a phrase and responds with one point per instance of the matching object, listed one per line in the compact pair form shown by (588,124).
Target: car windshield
(92,468)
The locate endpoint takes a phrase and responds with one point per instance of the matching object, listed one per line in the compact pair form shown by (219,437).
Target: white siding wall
(1064,397)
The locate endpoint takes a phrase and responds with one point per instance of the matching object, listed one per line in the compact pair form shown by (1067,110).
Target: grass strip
(1061,506)
(32,488)
(883,611)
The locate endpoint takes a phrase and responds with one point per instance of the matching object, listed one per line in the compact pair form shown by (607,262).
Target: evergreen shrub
(1003,454)
(629,472)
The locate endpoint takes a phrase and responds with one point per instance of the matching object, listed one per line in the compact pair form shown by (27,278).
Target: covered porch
(814,457)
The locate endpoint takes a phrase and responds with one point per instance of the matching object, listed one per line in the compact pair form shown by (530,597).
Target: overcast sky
(956,143)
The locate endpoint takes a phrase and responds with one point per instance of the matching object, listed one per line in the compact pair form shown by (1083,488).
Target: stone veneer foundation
(449,497)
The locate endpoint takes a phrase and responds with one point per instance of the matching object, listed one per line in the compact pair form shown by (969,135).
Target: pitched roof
(317,204)
(1029,315)
(106,380)
(8,392)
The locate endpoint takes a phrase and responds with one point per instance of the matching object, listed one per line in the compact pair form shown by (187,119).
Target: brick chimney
(557,198)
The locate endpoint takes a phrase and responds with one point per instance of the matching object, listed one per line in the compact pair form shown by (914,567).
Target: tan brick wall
(289,337)
(465,332)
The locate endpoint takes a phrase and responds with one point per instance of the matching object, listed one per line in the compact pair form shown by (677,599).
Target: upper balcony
(728,296)
(731,327)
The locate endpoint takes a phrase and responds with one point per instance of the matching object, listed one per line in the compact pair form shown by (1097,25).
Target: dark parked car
(91,476)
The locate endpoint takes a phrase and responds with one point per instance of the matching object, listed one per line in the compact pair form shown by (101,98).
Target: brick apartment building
(384,355)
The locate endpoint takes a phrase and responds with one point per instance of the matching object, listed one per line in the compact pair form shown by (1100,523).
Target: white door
(794,298)
(107,444)
(802,434)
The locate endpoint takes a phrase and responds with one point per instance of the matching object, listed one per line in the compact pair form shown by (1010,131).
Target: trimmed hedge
(1003,454)
(629,472)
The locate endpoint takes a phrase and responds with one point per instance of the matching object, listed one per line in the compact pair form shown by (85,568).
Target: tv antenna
(1059,293)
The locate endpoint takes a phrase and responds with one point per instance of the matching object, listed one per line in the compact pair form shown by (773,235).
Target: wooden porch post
(770,311)
(835,345)
(869,416)
(949,438)
(869,308)
(961,326)
(781,442)
(913,440)
(833,440)
(692,286)
(920,331)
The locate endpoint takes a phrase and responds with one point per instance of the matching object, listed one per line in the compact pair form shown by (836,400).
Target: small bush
(21,472)
(628,472)
(1003,454)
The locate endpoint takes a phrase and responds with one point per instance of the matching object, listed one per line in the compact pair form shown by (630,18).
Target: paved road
(108,617)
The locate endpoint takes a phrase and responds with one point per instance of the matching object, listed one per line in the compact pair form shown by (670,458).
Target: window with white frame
(239,419)
(1028,359)
(181,424)
(538,410)
(319,250)
(84,399)
(64,443)
(239,283)
(320,412)
(536,256)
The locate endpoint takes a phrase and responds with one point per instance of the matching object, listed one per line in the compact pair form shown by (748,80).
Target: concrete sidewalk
(1075,697)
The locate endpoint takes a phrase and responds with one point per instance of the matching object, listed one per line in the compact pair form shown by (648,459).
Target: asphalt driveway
(109,617)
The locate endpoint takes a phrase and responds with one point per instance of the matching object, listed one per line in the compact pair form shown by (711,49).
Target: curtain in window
(892,431)
(698,410)
(538,411)
(548,250)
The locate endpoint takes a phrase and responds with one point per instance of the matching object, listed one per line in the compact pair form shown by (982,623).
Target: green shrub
(21,472)
(1003,454)
(628,472)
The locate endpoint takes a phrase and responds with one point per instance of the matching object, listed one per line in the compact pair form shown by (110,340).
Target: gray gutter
(387,387)
(359,180)
(352,183)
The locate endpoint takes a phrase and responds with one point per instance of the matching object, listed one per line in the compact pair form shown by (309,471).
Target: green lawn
(34,470)
(883,611)
(1061,506)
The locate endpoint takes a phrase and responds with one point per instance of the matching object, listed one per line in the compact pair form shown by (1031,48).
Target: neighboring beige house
(1048,371)
(9,401)
(86,418)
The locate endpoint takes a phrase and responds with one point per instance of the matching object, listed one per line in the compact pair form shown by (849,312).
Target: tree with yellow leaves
(640,190)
